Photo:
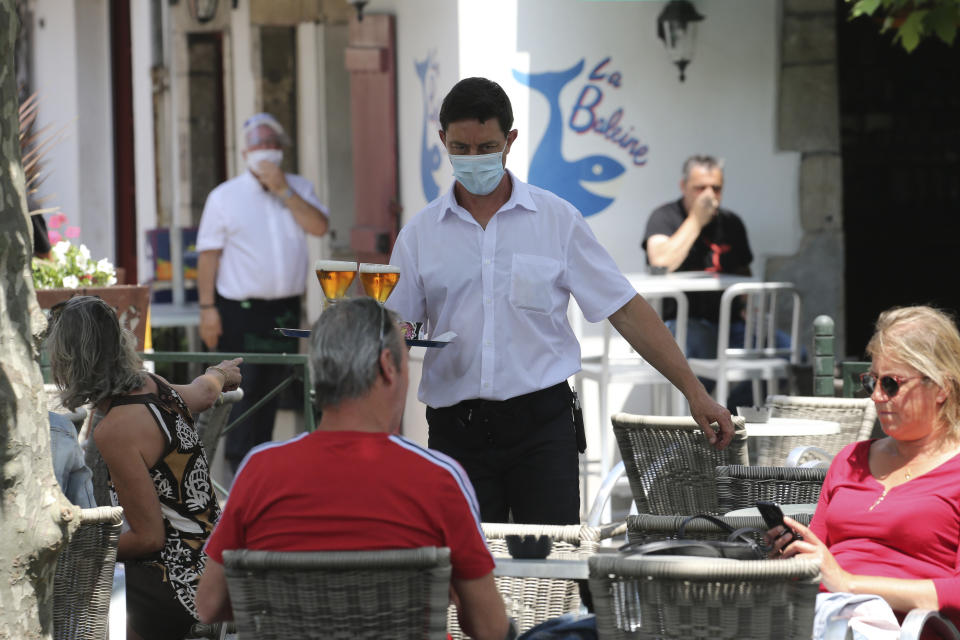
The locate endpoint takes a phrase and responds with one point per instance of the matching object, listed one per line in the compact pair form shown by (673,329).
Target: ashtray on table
(527,547)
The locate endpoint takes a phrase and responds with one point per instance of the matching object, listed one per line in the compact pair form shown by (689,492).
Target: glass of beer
(378,280)
(335,277)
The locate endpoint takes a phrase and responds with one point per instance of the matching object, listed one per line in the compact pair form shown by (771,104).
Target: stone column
(808,122)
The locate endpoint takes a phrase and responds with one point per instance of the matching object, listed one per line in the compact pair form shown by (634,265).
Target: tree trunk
(35,518)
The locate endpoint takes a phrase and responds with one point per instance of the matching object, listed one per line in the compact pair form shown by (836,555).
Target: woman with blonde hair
(158,470)
(888,519)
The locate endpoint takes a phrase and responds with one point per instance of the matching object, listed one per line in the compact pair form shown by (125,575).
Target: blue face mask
(479,174)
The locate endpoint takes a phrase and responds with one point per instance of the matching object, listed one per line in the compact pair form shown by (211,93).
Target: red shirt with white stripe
(352,490)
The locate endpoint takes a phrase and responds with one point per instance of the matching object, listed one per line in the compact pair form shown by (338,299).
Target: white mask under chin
(255,157)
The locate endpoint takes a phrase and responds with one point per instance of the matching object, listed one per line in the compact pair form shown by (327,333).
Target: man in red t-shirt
(354,484)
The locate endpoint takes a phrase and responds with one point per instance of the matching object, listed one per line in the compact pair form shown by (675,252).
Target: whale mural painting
(430,156)
(549,168)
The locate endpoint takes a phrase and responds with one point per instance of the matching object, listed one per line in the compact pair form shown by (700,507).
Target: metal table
(561,569)
(779,427)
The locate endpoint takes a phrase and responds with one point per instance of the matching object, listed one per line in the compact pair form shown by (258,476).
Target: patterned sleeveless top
(182,481)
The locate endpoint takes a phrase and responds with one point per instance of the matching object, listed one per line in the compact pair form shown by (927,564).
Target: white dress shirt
(504,291)
(264,249)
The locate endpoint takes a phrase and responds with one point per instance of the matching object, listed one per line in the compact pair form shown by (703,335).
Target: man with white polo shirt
(496,260)
(252,269)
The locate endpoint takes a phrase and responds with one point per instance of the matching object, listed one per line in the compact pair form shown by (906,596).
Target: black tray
(305,333)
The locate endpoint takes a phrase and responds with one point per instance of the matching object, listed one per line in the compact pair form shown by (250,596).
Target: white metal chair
(619,363)
(759,358)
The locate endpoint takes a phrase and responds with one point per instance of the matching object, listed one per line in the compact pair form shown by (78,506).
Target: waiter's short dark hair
(477,99)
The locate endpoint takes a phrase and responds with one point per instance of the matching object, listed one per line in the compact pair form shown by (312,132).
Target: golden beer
(378,280)
(335,277)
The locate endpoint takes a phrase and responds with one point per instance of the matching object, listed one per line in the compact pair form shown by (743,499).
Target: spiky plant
(34,146)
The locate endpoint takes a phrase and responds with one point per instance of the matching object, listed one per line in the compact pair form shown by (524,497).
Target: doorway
(900,143)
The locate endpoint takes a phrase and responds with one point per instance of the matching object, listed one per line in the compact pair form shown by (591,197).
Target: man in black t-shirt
(695,234)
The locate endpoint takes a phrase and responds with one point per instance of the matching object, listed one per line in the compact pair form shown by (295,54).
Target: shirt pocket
(532,282)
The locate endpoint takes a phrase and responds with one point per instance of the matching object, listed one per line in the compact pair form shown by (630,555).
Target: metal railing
(299,362)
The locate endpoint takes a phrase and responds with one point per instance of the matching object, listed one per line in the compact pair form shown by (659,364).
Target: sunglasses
(889,384)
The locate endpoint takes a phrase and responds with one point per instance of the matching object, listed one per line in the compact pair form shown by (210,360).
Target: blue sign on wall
(549,169)
(430,154)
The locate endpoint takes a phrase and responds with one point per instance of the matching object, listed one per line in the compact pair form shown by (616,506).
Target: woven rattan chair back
(855,416)
(668,597)
(670,464)
(740,487)
(530,601)
(646,527)
(83,581)
(210,423)
(340,595)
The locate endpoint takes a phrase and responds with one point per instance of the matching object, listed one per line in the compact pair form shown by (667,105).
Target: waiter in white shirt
(495,260)
(252,269)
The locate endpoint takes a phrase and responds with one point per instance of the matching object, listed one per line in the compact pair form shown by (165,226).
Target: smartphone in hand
(773,516)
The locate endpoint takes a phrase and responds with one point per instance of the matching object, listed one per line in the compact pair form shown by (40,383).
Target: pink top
(913,533)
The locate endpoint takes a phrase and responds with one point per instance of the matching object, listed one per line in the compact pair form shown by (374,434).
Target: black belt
(511,405)
(257,303)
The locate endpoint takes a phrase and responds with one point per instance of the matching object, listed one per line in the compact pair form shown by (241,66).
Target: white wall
(72,75)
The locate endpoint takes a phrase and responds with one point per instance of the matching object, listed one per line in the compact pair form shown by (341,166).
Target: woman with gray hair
(158,470)
(888,519)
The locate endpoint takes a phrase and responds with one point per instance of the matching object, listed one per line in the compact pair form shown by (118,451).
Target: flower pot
(131,303)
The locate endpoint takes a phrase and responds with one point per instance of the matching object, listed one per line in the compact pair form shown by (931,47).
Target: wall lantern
(677,27)
(203,10)
(359,4)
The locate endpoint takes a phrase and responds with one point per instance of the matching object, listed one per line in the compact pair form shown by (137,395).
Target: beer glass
(335,277)
(378,280)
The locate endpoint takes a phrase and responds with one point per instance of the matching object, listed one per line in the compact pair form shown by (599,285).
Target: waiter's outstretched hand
(705,410)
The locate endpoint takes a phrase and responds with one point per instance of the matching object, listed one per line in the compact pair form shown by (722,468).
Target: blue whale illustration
(548,168)
(429,155)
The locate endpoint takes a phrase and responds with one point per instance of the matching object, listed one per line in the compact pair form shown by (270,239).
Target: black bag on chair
(739,544)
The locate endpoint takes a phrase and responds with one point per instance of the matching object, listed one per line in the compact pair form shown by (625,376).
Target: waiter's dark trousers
(520,454)
(248,327)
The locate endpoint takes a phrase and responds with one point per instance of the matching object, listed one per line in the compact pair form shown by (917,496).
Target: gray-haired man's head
(701,173)
(345,347)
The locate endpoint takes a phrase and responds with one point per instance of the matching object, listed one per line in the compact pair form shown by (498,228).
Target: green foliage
(914,20)
(71,267)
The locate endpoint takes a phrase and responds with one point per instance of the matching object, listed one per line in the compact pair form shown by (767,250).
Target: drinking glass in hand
(378,280)
(335,277)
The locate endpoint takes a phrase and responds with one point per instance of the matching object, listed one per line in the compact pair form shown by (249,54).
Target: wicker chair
(855,415)
(399,593)
(530,601)
(740,487)
(650,528)
(667,597)
(83,580)
(210,423)
(670,465)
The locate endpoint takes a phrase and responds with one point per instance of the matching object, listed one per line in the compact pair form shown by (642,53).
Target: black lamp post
(677,27)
